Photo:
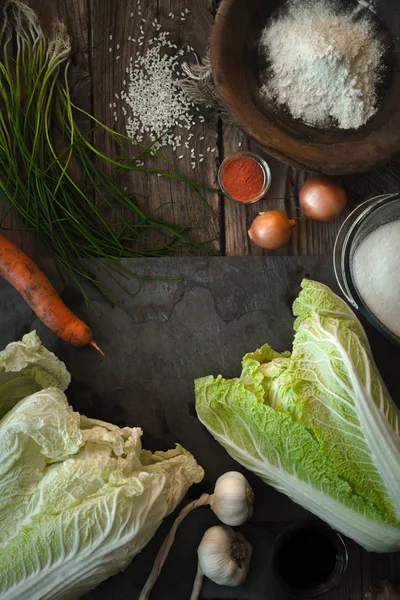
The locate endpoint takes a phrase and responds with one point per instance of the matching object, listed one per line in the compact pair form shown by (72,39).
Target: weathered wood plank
(75,15)
(378,567)
(309,237)
(228,230)
(172,201)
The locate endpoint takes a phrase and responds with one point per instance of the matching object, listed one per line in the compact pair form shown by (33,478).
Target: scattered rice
(155,108)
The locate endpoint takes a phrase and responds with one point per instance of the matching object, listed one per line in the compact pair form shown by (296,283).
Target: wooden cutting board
(156,343)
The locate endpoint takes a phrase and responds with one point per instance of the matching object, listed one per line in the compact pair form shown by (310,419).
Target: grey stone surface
(156,343)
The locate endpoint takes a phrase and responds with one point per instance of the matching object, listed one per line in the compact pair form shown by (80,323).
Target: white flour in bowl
(376,274)
(324,63)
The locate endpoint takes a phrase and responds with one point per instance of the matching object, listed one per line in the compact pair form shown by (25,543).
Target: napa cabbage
(79,498)
(318,424)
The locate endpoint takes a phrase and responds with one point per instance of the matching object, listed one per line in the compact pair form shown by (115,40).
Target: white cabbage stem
(232,502)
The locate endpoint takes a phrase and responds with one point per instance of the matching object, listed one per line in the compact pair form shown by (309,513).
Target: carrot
(26,277)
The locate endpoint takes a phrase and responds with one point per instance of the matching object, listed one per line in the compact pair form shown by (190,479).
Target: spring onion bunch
(40,145)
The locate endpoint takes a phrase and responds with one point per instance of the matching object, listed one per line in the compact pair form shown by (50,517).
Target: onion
(322,199)
(384,591)
(271,230)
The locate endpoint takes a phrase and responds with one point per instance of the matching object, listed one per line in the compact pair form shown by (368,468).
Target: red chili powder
(243,179)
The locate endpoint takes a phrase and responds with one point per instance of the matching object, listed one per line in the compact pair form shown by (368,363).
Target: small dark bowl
(337,574)
(236,66)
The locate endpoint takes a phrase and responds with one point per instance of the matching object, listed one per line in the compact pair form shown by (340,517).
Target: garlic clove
(233,498)
(224,556)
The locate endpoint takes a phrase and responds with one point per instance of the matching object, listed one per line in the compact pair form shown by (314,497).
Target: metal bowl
(237,70)
(365,219)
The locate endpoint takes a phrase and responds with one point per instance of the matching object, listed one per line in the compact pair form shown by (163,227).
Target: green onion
(40,142)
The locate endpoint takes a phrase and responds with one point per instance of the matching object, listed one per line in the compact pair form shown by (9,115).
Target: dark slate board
(156,343)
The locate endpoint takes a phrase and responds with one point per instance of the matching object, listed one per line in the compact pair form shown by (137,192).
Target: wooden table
(99,76)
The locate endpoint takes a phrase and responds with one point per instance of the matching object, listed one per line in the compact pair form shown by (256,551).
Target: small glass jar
(321,587)
(262,164)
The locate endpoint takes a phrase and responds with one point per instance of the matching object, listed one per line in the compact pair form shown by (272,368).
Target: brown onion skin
(384,591)
(271,230)
(322,199)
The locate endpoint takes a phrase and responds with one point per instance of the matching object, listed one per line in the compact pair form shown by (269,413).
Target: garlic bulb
(224,556)
(233,498)
(232,502)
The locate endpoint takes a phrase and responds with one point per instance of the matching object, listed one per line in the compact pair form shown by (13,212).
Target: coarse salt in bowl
(242,184)
(367,262)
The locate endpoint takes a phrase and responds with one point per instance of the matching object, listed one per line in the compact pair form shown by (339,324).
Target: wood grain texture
(308,238)
(75,15)
(96,76)
(178,203)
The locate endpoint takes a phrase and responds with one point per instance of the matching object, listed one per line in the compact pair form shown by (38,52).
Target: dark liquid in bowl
(306,559)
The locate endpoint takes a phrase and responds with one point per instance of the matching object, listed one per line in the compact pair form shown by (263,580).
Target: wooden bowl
(236,69)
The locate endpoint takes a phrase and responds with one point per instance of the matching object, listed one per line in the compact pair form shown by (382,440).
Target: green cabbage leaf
(317,424)
(79,498)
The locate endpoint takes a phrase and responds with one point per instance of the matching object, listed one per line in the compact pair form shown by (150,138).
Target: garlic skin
(224,556)
(233,498)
